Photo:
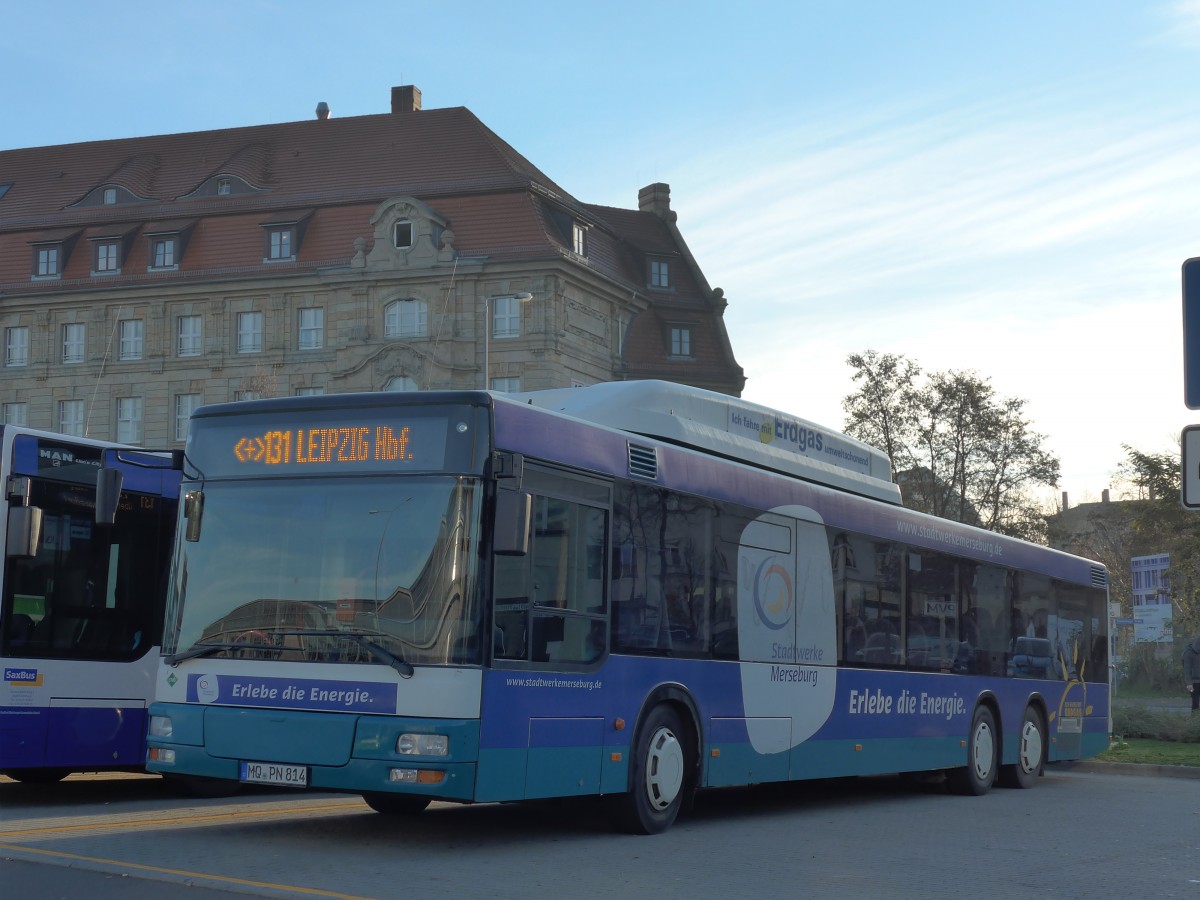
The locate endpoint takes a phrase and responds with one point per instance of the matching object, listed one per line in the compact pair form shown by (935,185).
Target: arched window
(400,383)
(406,319)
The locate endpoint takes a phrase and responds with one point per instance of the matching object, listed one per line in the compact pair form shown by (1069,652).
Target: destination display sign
(328,441)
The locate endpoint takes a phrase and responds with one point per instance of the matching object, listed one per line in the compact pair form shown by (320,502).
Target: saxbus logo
(773,595)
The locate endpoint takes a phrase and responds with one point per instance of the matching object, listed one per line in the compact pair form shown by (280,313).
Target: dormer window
(279,243)
(51,250)
(224,187)
(108,258)
(162,255)
(110,196)
(660,273)
(168,242)
(47,261)
(579,238)
(681,341)
(282,237)
(402,235)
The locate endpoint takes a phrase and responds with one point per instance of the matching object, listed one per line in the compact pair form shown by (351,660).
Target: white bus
(636,590)
(80,603)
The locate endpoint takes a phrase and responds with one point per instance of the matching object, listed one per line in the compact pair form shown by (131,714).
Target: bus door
(787,635)
(542,729)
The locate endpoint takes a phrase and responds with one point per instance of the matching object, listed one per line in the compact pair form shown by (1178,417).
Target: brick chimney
(406,99)
(655,198)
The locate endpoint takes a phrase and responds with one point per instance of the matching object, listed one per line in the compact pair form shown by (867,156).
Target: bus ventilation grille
(643,461)
(1099,577)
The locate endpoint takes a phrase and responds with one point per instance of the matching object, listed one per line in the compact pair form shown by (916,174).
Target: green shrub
(1136,722)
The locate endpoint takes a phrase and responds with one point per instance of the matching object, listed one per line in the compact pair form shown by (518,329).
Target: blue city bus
(81,602)
(636,590)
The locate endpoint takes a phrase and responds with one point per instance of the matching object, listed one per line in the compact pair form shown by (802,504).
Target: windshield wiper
(198,650)
(363,639)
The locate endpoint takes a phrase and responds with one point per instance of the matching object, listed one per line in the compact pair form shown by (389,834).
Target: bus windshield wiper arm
(198,650)
(364,640)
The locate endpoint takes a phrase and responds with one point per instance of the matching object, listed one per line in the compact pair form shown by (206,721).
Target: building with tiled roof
(143,277)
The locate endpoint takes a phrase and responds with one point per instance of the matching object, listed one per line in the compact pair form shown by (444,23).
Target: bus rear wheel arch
(983,756)
(1031,751)
(662,765)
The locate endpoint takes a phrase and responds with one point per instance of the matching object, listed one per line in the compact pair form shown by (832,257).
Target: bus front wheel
(1031,753)
(658,779)
(983,746)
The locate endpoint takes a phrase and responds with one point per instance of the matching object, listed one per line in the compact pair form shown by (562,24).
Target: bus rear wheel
(658,780)
(395,804)
(1031,753)
(983,746)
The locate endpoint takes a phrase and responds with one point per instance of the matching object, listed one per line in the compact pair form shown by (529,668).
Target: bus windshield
(370,570)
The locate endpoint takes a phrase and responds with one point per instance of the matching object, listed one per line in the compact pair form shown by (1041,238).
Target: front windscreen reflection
(330,570)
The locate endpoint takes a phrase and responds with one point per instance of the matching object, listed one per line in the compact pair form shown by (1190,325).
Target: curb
(1119,768)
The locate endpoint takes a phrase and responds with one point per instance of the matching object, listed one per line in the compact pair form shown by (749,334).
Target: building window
(309,391)
(579,239)
(108,257)
(74,335)
(16,413)
(681,341)
(506,317)
(224,187)
(401,383)
(16,346)
(406,318)
(188,335)
(185,405)
(131,339)
(129,420)
(250,332)
(162,253)
(660,273)
(312,328)
(402,235)
(110,196)
(247,395)
(47,261)
(506,385)
(71,417)
(279,244)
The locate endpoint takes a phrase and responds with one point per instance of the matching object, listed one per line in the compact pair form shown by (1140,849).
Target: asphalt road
(1079,833)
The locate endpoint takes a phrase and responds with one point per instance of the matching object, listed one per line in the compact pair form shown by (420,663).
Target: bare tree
(958,450)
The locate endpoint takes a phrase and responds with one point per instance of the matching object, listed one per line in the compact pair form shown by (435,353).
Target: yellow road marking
(38,829)
(183,873)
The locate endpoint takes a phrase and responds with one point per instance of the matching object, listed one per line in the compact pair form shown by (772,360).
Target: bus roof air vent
(643,461)
(1099,577)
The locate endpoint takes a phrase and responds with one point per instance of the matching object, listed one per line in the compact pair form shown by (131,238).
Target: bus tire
(37,776)
(659,775)
(1031,753)
(983,752)
(395,804)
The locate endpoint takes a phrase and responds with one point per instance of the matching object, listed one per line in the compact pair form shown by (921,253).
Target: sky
(1007,188)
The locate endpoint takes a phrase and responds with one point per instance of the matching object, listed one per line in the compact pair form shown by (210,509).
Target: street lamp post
(523,297)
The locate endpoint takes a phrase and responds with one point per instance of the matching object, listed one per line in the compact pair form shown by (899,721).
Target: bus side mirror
(24,531)
(193,515)
(108,495)
(510,536)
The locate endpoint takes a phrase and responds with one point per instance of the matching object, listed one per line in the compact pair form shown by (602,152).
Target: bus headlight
(423,745)
(160,726)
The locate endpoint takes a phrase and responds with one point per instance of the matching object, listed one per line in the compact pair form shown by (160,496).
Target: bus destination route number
(326,446)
